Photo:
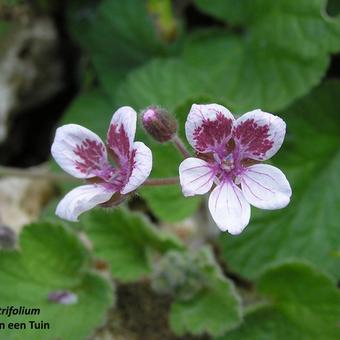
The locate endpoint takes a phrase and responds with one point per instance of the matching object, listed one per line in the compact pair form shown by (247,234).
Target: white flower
(81,153)
(227,151)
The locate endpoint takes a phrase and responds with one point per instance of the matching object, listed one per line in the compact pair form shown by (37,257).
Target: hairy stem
(177,141)
(161,181)
(44,174)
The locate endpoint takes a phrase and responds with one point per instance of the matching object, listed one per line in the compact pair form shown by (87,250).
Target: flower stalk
(180,146)
(161,181)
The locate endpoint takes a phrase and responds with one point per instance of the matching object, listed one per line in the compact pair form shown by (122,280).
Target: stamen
(228,163)
(216,157)
(237,180)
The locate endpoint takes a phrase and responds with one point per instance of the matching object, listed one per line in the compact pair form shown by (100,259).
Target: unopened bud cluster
(159,123)
(178,275)
(63,297)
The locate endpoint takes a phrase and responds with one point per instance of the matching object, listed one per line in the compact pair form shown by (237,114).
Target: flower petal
(81,199)
(209,127)
(259,135)
(229,208)
(196,176)
(265,187)
(140,167)
(122,132)
(78,151)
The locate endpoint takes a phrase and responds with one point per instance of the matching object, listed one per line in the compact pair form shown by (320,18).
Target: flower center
(106,173)
(229,168)
(228,165)
(224,166)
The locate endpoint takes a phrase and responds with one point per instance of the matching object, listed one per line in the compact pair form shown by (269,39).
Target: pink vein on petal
(260,184)
(195,167)
(249,188)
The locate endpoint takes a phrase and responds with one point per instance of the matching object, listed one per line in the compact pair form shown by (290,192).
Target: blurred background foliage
(78,61)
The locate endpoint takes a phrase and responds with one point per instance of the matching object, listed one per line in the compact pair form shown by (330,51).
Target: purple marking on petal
(106,173)
(253,139)
(119,143)
(92,154)
(122,175)
(129,166)
(213,135)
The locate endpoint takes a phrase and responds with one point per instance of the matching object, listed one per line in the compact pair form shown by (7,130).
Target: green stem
(165,20)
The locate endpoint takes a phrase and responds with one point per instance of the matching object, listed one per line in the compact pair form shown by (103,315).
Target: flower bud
(63,297)
(159,123)
(178,275)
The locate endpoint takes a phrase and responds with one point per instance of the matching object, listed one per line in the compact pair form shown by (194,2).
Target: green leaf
(305,305)
(214,309)
(167,82)
(125,240)
(51,258)
(242,71)
(309,227)
(226,10)
(261,67)
(119,35)
(311,31)
(237,68)
(306,22)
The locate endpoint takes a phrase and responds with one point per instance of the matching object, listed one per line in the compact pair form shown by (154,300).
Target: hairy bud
(63,297)
(178,275)
(159,123)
